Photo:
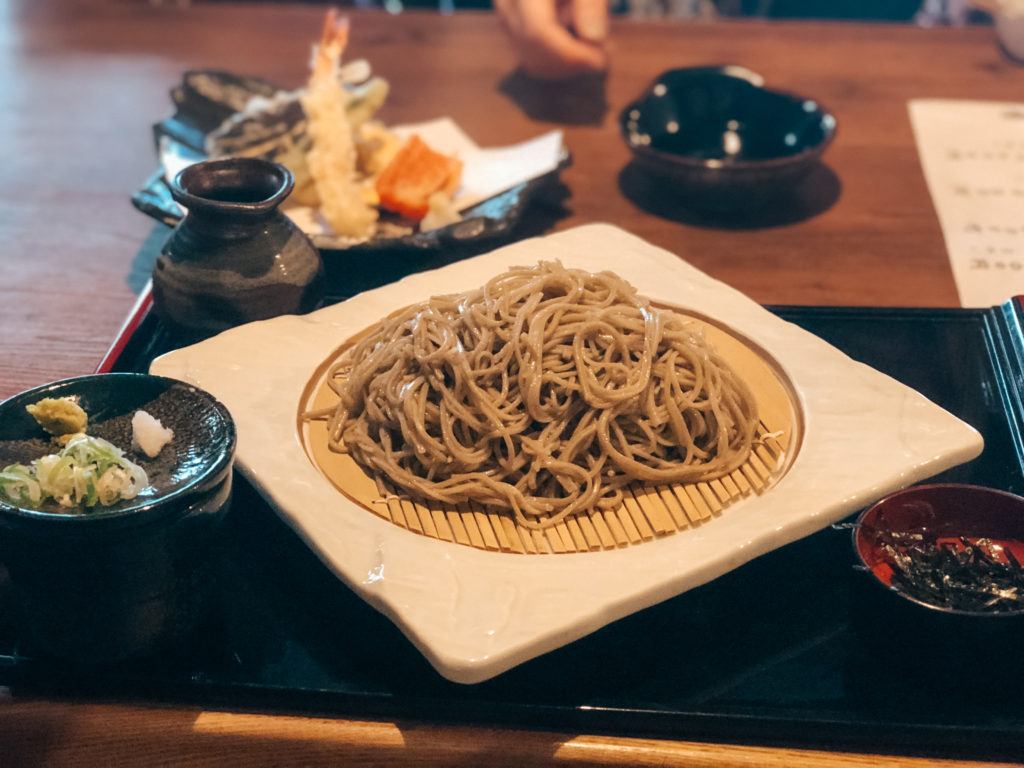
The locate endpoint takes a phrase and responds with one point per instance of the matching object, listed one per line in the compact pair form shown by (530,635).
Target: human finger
(549,48)
(539,30)
(555,51)
(590,19)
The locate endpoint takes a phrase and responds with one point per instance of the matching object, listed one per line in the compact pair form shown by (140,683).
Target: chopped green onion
(17,484)
(87,471)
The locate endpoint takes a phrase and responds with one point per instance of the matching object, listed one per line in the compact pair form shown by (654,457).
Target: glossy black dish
(717,137)
(205,98)
(126,580)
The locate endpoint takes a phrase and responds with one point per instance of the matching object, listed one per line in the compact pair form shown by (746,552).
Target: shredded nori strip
(964,575)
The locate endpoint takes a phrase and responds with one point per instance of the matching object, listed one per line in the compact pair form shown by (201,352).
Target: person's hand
(557,38)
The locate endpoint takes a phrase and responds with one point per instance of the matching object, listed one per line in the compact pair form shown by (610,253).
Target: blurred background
(922,12)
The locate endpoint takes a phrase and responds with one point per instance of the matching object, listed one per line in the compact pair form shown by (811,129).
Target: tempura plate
(205,98)
(475,613)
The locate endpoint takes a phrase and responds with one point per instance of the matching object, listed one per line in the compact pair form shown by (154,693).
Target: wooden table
(84,81)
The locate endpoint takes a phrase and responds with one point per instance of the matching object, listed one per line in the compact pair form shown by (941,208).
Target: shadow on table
(815,194)
(580,100)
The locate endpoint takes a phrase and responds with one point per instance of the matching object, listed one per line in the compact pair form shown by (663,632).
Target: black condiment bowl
(127,580)
(910,631)
(719,139)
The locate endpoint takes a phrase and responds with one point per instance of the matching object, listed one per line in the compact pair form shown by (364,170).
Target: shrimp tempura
(332,158)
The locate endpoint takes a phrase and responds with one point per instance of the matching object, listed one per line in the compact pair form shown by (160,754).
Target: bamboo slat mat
(648,511)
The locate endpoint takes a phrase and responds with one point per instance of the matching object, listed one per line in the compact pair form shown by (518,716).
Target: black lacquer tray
(772,652)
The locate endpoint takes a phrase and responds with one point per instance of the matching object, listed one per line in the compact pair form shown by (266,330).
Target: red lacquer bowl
(942,512)
(936,649)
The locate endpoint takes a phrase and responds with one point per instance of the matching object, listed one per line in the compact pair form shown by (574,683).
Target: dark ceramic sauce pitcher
(235,257)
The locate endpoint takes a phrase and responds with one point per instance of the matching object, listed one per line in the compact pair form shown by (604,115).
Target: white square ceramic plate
(475,613)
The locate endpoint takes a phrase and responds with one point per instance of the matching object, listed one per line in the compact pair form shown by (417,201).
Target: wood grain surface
(83,82)
(91,78)
(101,734)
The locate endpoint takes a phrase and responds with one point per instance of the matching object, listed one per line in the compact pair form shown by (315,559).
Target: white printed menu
(972,153)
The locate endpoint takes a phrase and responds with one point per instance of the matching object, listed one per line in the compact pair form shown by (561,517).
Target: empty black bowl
(717,137)
(115,582)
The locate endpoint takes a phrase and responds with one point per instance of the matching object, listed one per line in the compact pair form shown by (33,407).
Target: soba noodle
(544,393)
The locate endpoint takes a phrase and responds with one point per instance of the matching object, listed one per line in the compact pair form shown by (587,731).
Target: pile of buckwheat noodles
(543,393)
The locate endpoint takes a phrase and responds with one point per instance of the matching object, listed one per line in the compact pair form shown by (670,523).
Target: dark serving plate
(718,137)
(205,98)
(771,652)
(102,585)
(196,460)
